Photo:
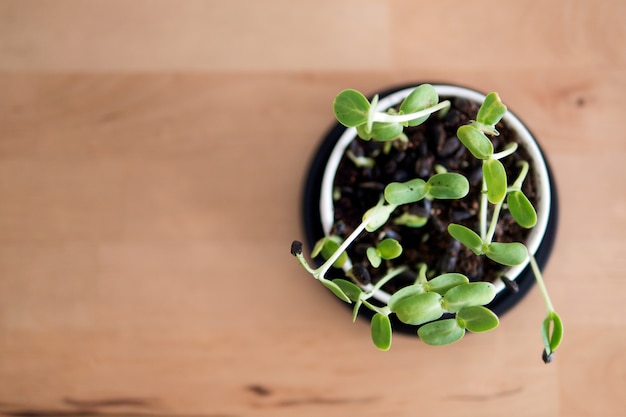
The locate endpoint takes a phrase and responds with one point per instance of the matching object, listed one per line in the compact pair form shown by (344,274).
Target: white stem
(401,118)
(508,150)
(321,271)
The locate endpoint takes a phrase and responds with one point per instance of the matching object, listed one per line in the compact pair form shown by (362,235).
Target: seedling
(425,301)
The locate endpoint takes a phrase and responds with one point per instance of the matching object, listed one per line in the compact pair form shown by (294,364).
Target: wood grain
(151,159)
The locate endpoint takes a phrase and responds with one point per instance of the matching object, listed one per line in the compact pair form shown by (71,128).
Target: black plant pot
(334,143)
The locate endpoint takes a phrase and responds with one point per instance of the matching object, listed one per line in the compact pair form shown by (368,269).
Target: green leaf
(510,254)
(495,178)
(383,132)
(351,108)
(335,289)
(491,111)
(399,193)
(468,295)
(552,331)
(410,220)
(381,331)
(422,97)
(475,141)
(363,133)
(373,256)
(442,283)
(521,209)
(477,319)
(349,288)
(419,308)
(442,332)
(330,244)
(389,248)
(467,237)
(378,216)
(403,293)
(447,185)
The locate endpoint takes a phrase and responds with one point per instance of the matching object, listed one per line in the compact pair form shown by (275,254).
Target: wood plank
(151,162)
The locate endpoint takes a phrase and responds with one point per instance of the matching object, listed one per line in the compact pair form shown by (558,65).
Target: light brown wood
(151,159)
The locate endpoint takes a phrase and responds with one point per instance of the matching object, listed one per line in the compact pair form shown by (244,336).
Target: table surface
(152,155)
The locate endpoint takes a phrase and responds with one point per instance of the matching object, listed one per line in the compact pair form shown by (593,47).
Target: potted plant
(423,207)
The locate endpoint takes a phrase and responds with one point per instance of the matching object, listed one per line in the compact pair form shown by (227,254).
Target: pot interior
(343,137)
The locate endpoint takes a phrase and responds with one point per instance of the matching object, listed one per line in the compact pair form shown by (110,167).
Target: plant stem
(517,185)
(385,311)
(421,274)
(540,283)
(494,223)
(321,271)
(484,203)
(388,277)
(508,150)
(305,264)
(401,118)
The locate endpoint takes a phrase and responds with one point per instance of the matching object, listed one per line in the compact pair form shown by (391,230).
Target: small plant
(425,301)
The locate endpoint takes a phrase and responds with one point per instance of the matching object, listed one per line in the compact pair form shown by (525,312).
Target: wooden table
(151,161)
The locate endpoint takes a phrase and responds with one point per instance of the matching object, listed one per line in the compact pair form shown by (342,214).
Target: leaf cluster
(353,109)
(424,303)
(474,137)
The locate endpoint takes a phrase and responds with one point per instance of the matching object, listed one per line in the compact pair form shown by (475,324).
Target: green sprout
(387,249)
(361,161)
(352,109)
(410,220)
(425,302)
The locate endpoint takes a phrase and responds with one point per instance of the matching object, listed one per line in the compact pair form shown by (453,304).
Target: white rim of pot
(539,170)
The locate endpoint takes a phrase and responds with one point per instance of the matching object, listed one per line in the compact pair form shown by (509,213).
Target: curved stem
(421,274)
(508,150)
(517,185)
(305,264)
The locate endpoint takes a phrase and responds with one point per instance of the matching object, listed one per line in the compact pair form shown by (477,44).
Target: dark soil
(430,144)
